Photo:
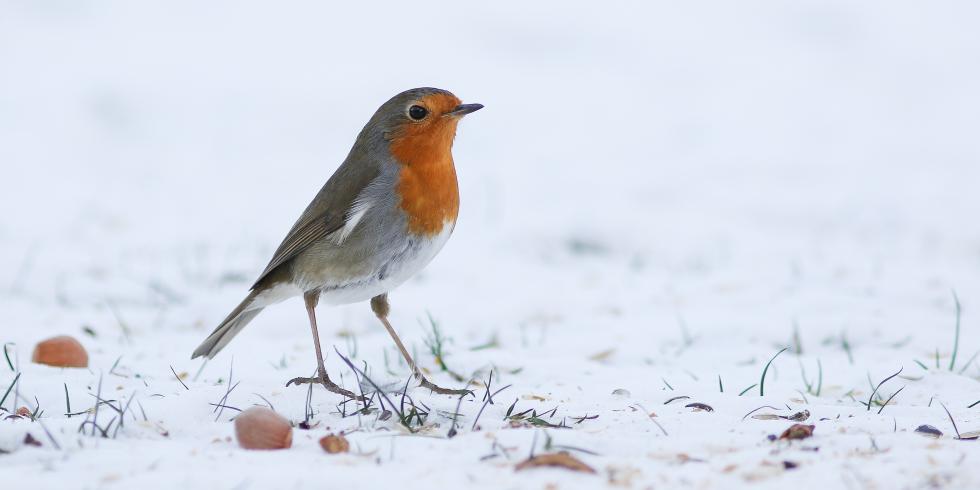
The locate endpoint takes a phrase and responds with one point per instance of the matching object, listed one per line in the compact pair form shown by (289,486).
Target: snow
(655,196)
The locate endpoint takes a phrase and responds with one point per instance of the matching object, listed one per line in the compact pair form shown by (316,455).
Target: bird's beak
(464,109)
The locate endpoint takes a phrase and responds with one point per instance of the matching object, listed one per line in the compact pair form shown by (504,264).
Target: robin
(382,216)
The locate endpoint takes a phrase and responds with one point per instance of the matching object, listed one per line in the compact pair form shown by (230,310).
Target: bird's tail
(236,321)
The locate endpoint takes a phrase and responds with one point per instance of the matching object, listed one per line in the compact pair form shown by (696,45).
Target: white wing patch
(353,217)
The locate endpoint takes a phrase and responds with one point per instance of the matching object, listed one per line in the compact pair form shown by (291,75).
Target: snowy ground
(655,203)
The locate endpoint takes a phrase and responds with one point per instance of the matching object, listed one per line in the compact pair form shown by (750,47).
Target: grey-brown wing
(325,214)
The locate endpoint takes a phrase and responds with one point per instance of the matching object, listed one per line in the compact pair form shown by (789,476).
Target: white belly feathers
(402,264)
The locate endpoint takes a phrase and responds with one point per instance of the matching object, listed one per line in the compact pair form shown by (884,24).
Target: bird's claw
(329,385)
(425,383)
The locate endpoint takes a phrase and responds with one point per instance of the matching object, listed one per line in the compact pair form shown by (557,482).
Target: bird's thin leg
(379,304)
(311,298)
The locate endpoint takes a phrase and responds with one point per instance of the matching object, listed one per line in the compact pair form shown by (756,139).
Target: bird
(380,218)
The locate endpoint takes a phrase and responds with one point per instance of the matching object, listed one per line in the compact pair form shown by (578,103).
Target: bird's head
(419,125)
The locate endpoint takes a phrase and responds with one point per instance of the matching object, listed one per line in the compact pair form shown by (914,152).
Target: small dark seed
(928,430)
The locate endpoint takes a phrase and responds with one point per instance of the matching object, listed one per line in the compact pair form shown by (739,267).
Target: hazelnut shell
(334,444)
(60,351)
(261,428)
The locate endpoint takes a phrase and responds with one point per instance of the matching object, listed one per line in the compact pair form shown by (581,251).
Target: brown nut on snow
(335,444)
(261,428)
(60,351)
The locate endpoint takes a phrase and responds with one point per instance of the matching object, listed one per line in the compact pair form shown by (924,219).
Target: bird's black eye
(417,112)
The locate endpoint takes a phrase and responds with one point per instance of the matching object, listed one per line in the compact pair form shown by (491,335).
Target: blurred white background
(201,120)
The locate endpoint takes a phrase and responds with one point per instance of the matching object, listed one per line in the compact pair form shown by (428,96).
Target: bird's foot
(425,383)
(324,380)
